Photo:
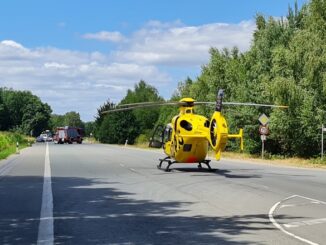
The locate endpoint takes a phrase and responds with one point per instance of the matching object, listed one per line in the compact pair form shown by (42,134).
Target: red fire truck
(68,135)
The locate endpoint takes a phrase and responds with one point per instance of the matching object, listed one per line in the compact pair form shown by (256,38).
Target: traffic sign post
(322,141)
(263,139)
(263,119)
(263,131)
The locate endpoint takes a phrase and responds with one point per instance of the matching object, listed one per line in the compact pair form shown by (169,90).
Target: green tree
(4,124)
(72,119)
(98,131)
(147,117)
(57,121)
(117,127)
(89,128)
(25,112)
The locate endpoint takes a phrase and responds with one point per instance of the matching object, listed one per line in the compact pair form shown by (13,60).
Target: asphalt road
(101,194)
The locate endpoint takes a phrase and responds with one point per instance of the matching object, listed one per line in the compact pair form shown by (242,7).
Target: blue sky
(77,54)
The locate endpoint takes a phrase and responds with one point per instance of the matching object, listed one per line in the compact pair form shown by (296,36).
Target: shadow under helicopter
(214,171)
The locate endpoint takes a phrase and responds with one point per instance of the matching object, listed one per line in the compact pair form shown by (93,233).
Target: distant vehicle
(44,137)
(48,136)
(68,135)
(40,138)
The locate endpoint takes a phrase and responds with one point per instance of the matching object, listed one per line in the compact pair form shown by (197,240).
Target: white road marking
(311,199)
(306,222)
(278,226)
(45,229)
(300,204)
(134,170)
(288,205)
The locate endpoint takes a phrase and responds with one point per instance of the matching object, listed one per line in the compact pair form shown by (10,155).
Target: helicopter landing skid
(168,160)
(207,164)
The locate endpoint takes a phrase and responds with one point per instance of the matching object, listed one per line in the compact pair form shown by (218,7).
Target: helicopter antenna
(219,99)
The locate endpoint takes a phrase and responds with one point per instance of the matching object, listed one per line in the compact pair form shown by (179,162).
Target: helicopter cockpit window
(157,137)
(188,111)
(167,134)
(186,125)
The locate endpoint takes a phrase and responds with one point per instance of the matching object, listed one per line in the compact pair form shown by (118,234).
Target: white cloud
(12,44)
(157,43)
(81,81)
(105,36)
(55,65)
(69,80)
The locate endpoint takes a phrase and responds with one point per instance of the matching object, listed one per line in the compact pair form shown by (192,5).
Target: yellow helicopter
(187,137)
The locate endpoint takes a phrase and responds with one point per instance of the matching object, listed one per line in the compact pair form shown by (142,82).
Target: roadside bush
(8,142)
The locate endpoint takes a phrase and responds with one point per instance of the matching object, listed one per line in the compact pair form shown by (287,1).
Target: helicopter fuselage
(187,140)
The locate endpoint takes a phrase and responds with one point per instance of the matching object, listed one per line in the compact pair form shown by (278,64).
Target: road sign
(263,130)
(263,119)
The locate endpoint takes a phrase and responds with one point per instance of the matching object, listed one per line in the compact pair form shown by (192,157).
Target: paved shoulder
(21,181)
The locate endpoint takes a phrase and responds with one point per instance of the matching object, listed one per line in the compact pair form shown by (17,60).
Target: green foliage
(143,92)
(4,123)
(8,142)
(118,127)
(89,128)
(57,121)
(99,130)
(73,119)
(142,139)
(22,111)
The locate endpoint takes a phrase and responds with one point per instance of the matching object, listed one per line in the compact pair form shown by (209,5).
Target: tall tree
(4,124)
(72,119)
(117,127)
(25,112)
(143,92)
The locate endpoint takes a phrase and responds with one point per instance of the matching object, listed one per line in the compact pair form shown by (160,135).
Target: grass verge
(8,142)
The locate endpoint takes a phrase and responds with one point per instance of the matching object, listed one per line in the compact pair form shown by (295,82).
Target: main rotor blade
(242,104)
(255,104)
(142,103)
(139,106)
(126,107)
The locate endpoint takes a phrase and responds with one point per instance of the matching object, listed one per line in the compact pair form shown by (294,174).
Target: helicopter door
(157,138)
